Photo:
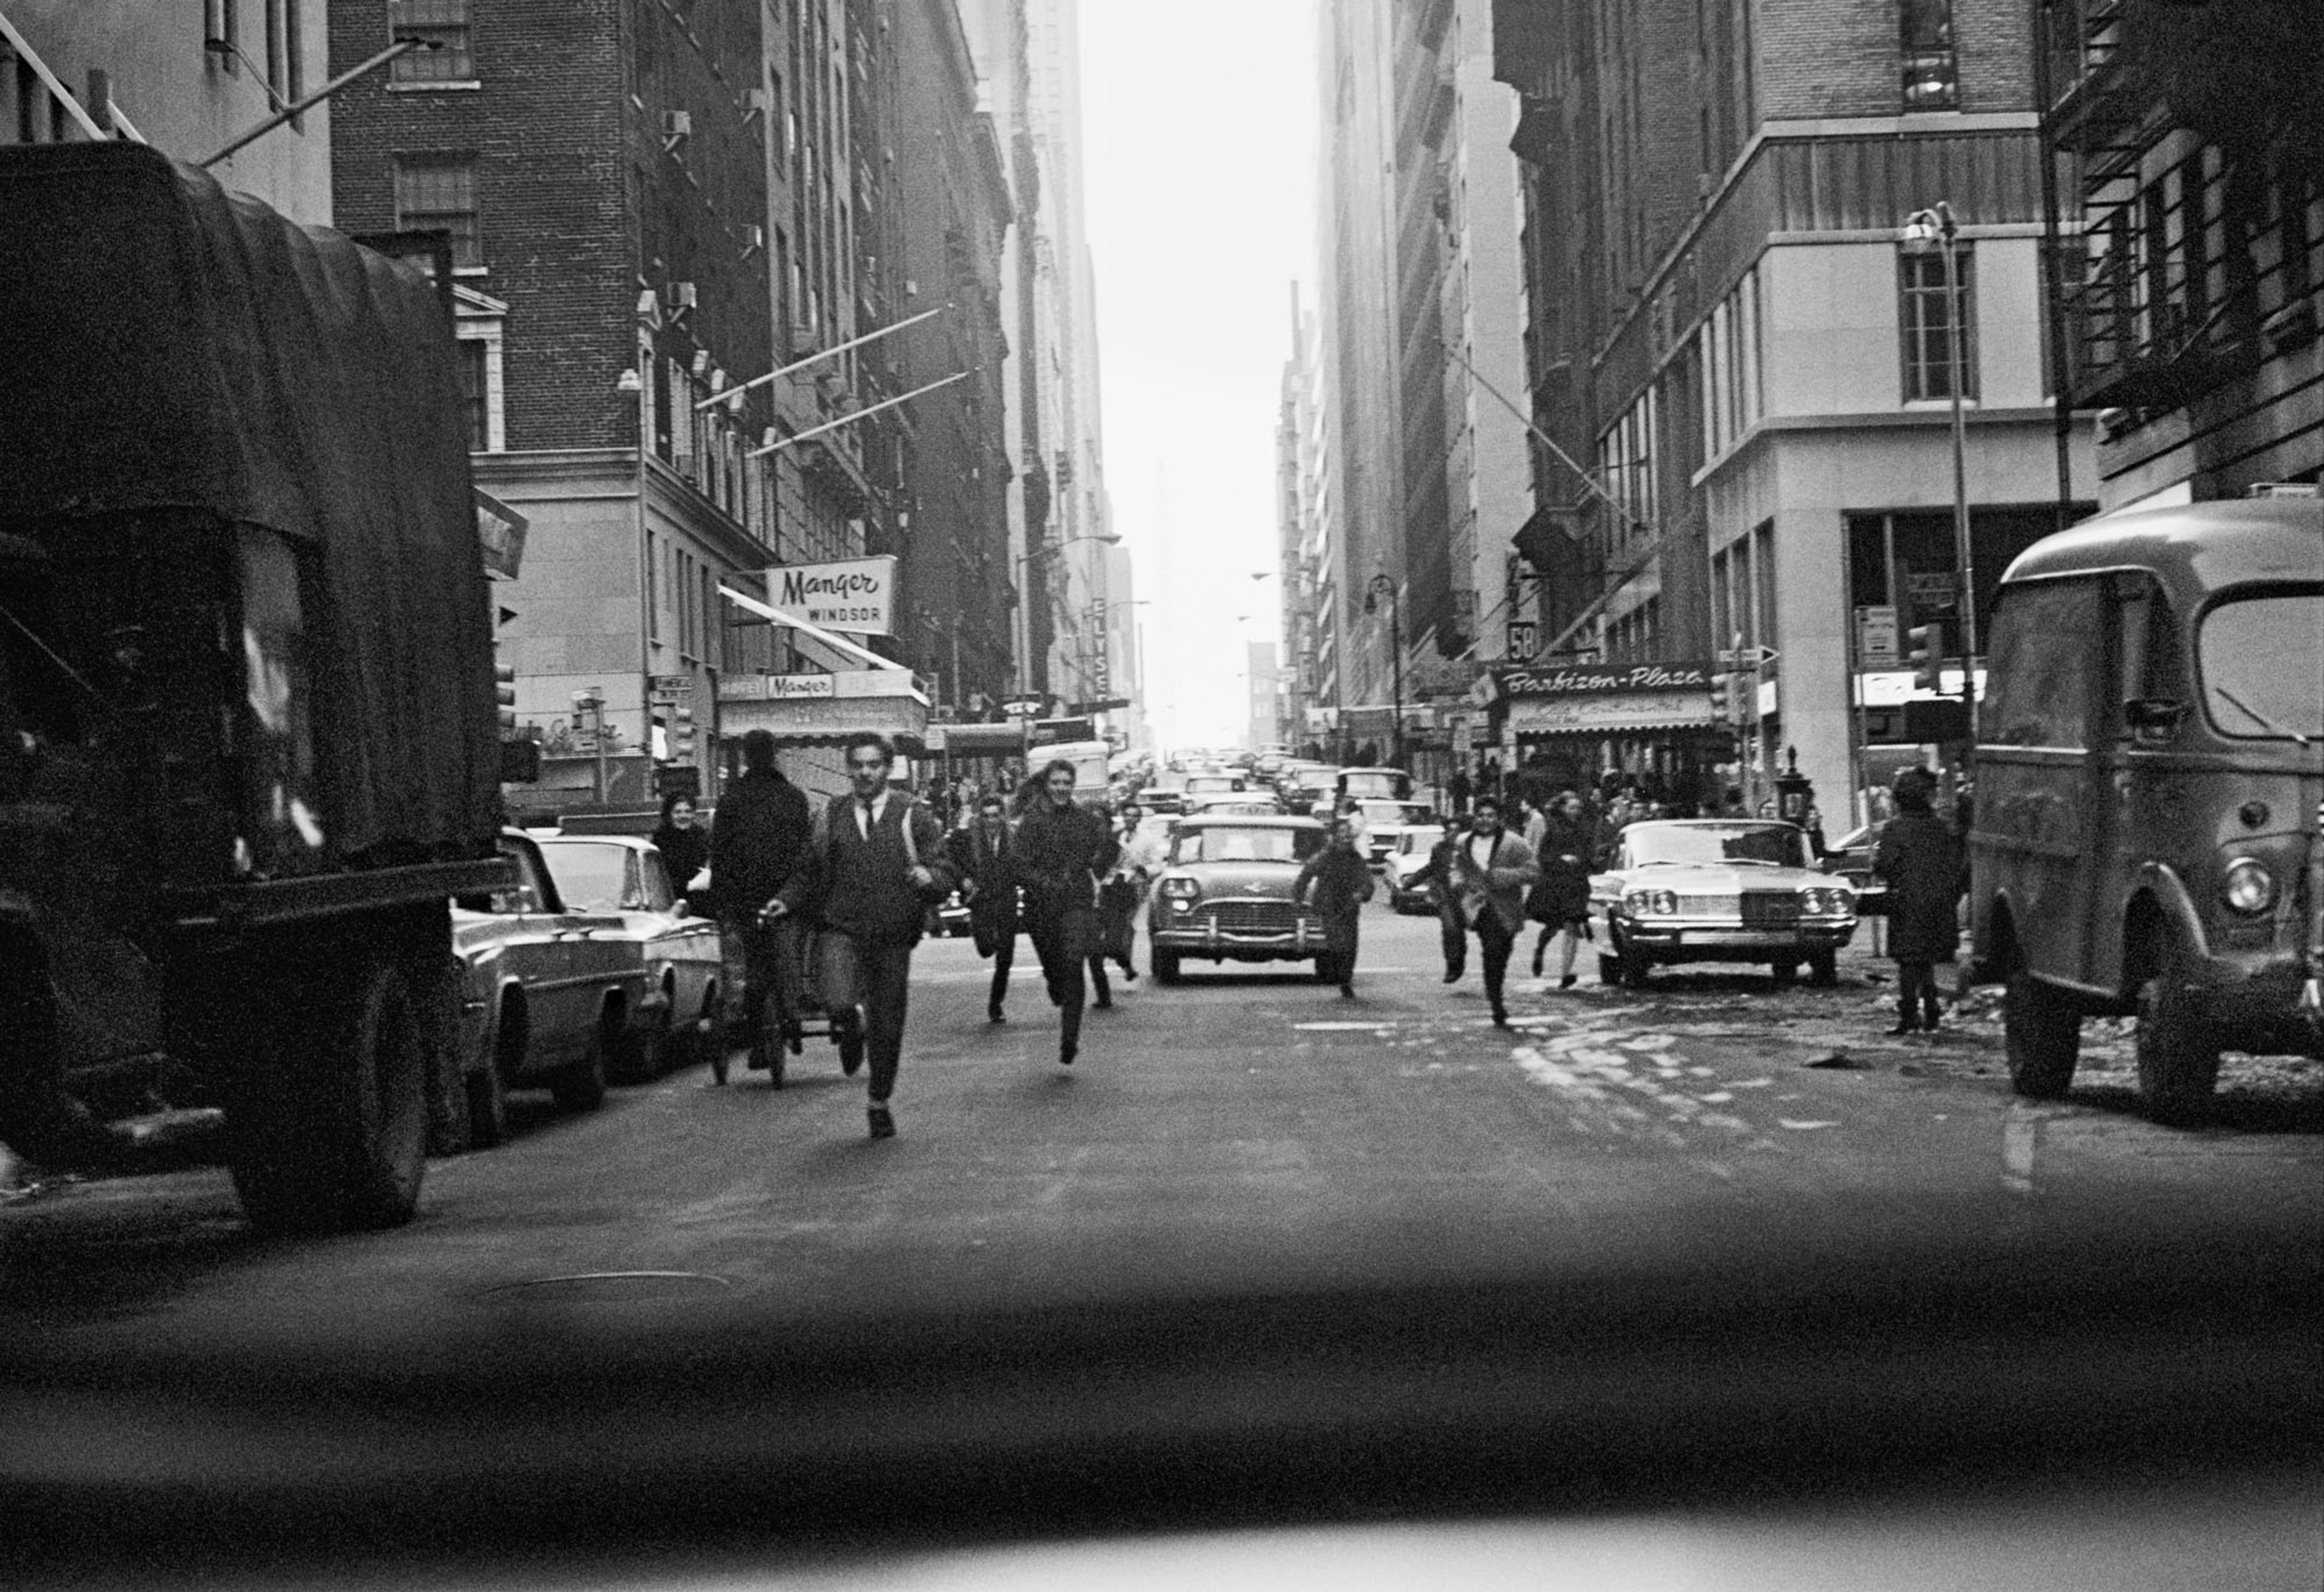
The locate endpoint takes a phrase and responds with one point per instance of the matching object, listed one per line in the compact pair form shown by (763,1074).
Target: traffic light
(682,733)
(1922,648)
(504,693)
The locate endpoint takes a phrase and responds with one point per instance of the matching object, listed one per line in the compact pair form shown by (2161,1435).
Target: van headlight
(2248,888)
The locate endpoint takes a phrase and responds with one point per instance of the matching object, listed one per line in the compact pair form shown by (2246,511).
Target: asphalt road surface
(1246,1135)
(1247,1129)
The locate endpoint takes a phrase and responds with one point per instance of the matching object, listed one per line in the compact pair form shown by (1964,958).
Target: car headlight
(1817,903)
(1181,885)
(1646,903)
(2248,888)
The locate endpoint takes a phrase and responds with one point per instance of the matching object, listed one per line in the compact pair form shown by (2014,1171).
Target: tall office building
(1027,58)
(1744,357)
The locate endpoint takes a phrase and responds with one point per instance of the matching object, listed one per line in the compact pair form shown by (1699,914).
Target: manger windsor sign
(857,596)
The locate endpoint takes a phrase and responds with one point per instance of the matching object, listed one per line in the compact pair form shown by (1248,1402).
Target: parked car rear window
(2263,662)
(593,878)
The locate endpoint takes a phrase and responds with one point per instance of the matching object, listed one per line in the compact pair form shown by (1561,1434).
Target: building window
(1927,320)
(437,192)
(1930,80)
(444,23)
(476,395)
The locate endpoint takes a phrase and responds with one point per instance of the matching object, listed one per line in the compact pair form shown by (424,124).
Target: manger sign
(856,595)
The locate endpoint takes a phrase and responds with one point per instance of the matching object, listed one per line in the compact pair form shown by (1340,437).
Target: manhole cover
(612,1288)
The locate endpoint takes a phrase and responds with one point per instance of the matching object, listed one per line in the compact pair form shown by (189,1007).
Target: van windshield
(2263,662)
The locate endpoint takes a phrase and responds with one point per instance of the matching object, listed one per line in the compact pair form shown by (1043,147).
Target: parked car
(1233,803)
(1719,890)
(683,1011)
(1384,821)
(2146,837)
(1851,857)
(1226,894)
(547,993)
(1413,845)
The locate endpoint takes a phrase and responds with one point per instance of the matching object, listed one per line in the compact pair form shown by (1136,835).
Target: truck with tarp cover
(248,748)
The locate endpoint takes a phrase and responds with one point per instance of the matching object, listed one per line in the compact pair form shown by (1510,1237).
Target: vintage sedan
(684,1006)
(1224,893)
(547,993)
(1405,892)
(1719,890)
(1384,821)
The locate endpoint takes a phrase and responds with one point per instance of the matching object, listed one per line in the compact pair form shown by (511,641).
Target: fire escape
(2196,262)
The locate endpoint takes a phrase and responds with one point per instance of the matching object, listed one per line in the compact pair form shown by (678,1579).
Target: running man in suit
(1492,870)
(879,859)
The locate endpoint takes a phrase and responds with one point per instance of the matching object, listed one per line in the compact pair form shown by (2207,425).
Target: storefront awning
(824,710)
(978,740)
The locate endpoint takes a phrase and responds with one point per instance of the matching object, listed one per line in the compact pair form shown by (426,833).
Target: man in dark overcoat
(1063,849)
(1920,858)
(1339,881)
(759,841)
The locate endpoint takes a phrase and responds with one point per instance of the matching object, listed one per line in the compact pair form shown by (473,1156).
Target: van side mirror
(2153,717)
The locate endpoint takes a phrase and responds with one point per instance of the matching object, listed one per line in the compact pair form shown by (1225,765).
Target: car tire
(1166,966)
(581,1087)
(1823,969)
(2178,1052)
(2042,1028)
(641,1051)
(1785,972)
(487,1103)
(1610,971)
(328,1130)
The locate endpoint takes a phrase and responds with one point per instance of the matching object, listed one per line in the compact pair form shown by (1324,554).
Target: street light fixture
(1934,228)
(1382,587)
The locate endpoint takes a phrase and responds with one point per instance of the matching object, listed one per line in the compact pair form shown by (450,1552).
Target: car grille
(1706,906)
(1770,909)
(1254,917)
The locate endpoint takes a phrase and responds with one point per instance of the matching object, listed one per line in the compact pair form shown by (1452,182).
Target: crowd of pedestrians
(845,892)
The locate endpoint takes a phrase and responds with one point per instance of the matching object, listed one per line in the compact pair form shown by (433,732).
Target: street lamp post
(1381,586)
(1936,228)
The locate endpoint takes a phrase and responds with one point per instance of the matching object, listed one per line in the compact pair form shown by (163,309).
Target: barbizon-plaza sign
(1606,698)
(857,596)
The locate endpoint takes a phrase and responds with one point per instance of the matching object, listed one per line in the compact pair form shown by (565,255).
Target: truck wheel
(1166,966)
(2043,1030)
(1823,969)
(582,1086)
(328,1130)
(2178,1052)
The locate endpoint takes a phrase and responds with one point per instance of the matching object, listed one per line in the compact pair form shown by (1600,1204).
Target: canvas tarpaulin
(168,345)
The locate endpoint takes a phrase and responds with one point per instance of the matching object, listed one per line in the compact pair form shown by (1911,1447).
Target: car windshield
(594,878)
(2262,663)
(1774,845)
(1272,844)
(1419,838)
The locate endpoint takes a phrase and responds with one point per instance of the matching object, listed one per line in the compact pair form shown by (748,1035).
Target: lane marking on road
(1801,1126)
